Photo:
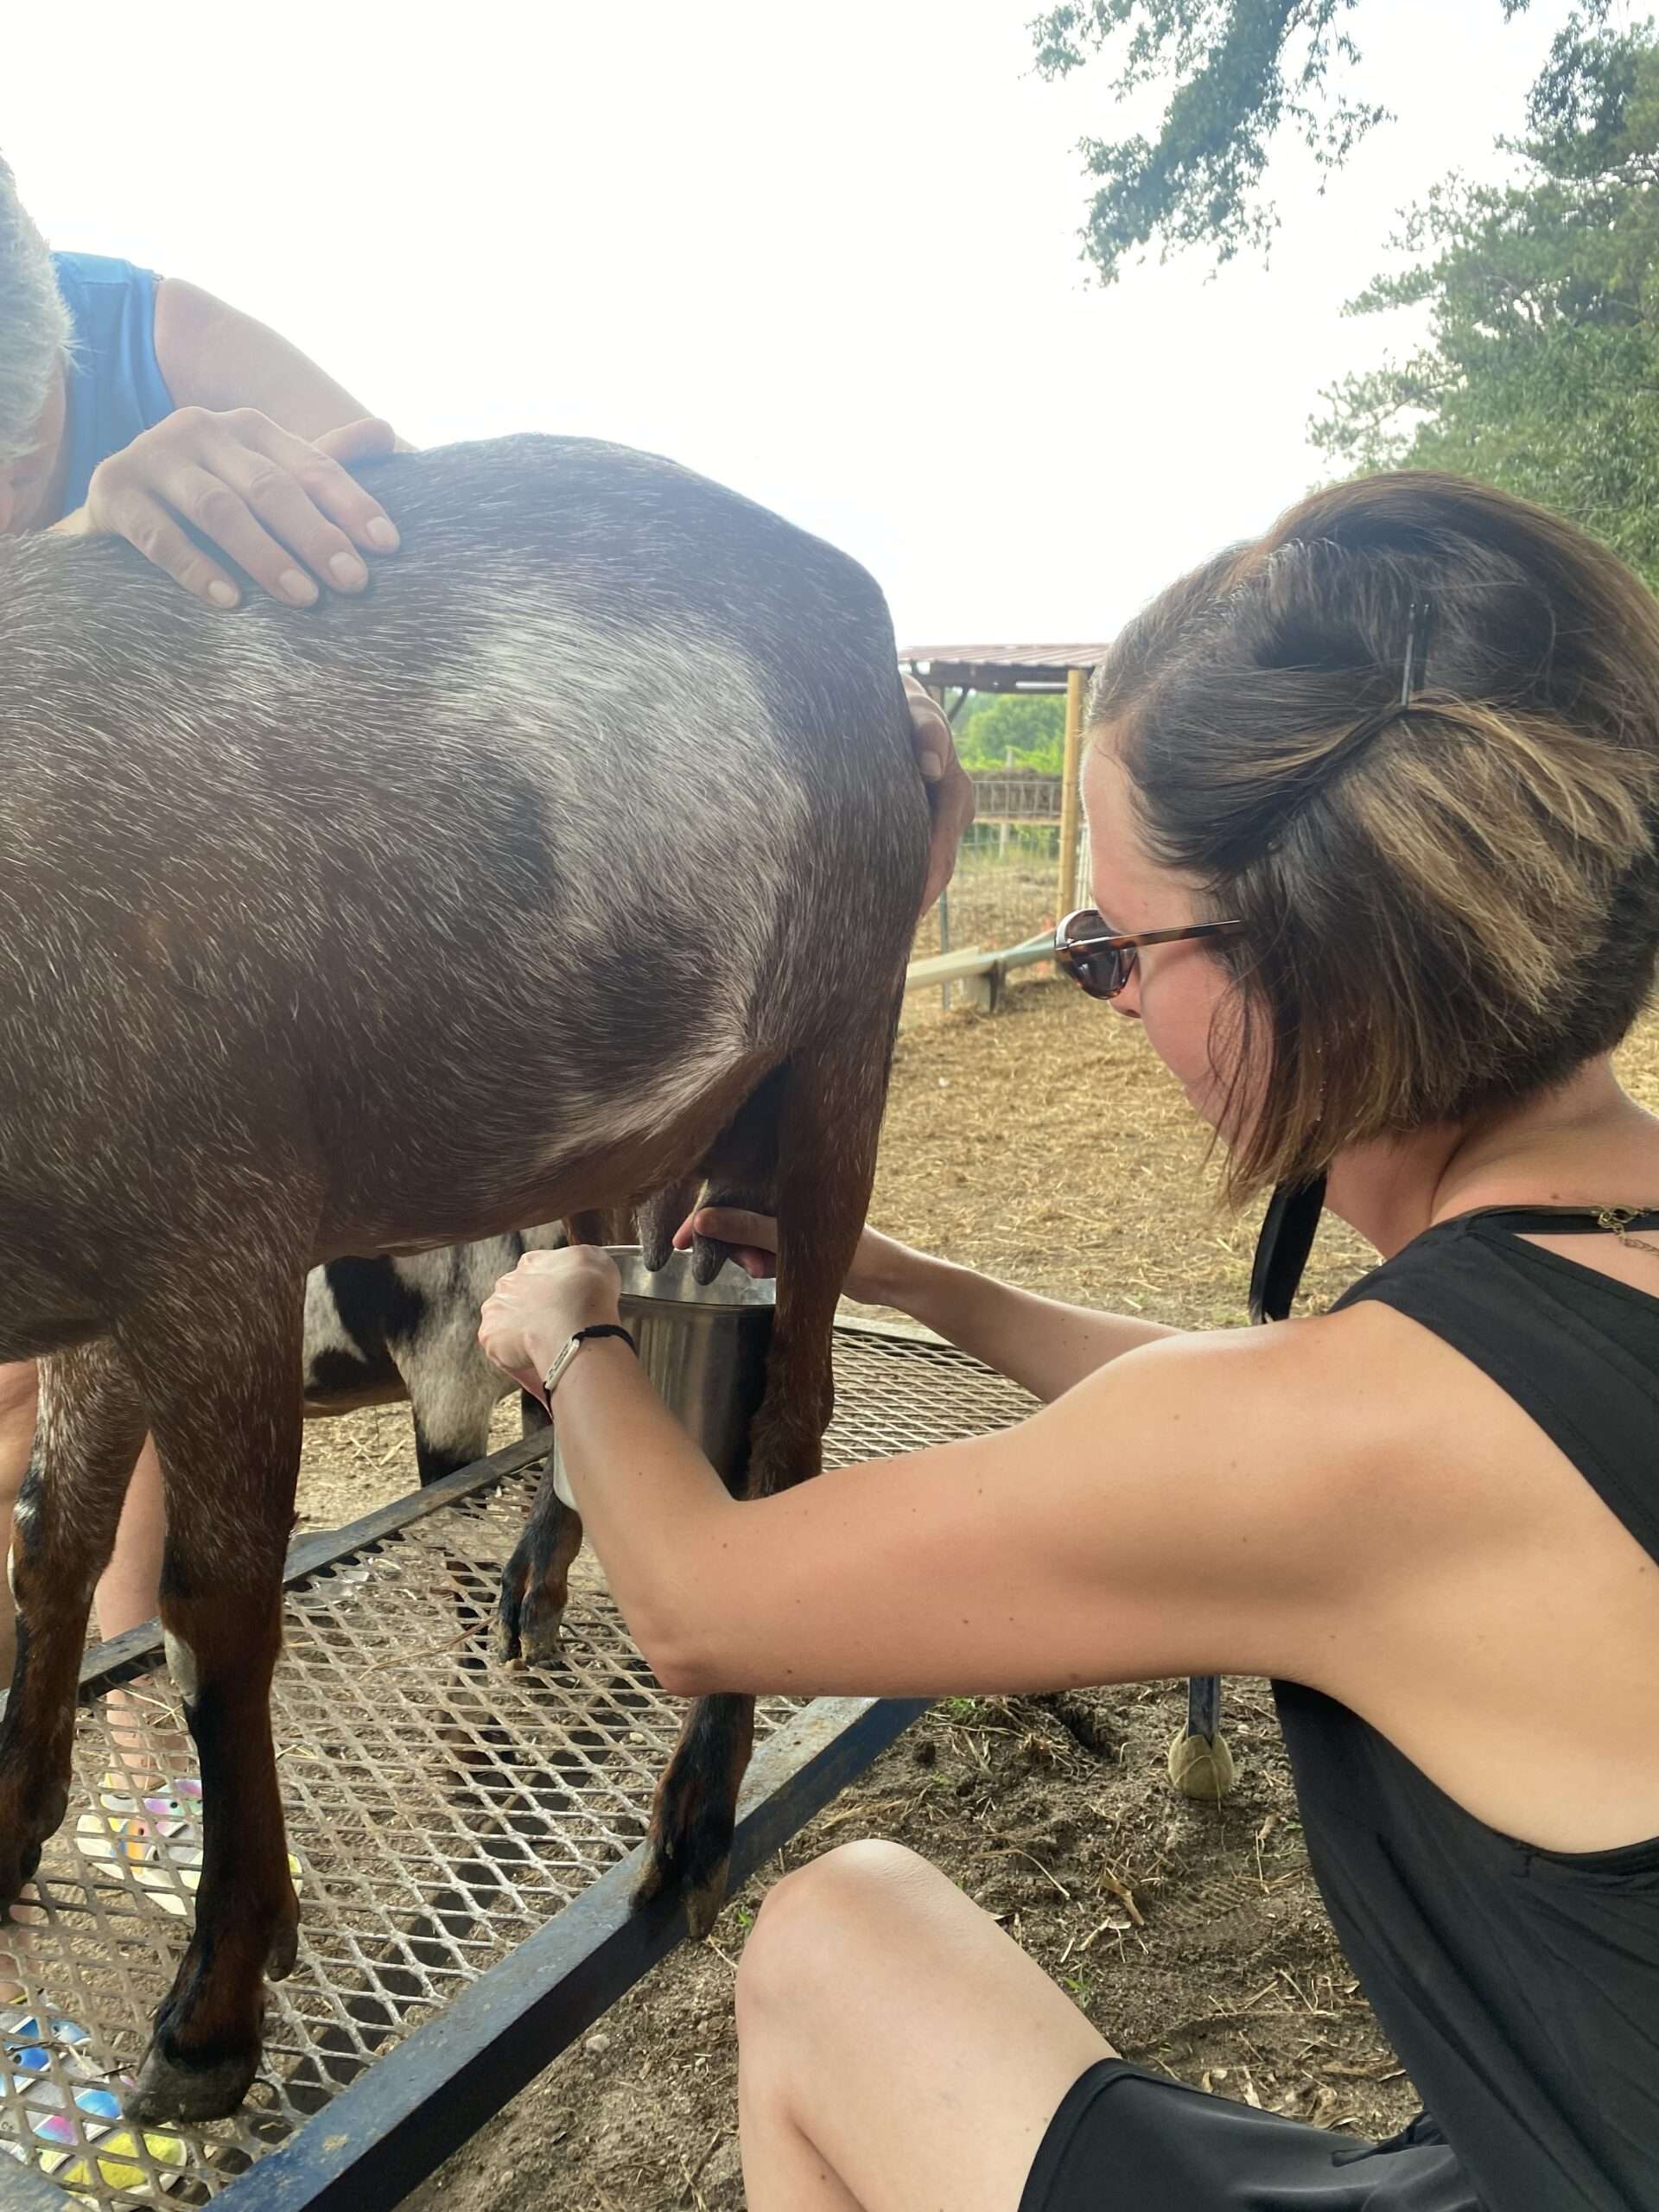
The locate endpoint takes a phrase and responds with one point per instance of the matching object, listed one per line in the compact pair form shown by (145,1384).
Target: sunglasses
(1103,960)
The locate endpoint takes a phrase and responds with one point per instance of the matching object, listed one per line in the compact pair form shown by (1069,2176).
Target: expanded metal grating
(442,1809)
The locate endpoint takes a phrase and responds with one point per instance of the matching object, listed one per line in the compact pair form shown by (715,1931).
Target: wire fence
(1001,893)
(1005,890)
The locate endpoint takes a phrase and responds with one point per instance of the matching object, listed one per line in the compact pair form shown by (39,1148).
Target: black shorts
(1125,2140)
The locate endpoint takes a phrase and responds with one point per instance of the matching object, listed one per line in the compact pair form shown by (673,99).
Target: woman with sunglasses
(1371,805)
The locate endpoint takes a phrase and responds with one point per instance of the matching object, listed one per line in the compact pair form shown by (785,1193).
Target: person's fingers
(935,749)
(952,803)
(950,792)
(140,517)
(930,732)
(369,438)
(286,511)
(736,1225)
(223,516)
(752,1236)
(356,510)
(298,495)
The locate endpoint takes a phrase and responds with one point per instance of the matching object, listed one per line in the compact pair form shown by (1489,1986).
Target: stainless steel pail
(703,1346)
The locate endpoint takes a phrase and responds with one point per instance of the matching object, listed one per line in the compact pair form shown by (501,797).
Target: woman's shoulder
(1307,1406)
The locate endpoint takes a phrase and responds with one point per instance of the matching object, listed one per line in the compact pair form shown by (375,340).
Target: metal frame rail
(393,2127)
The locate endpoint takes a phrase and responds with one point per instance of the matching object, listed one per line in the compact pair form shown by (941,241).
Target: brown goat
(575,862)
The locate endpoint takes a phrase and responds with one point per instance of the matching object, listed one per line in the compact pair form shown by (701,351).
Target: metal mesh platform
(441,1809)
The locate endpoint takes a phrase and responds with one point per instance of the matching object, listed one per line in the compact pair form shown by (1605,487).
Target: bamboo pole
(1070,797)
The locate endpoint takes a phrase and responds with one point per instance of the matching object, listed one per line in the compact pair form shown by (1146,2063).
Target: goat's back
(609,771)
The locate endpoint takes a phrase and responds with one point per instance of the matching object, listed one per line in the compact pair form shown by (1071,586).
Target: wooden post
(1070,799)
(936,693)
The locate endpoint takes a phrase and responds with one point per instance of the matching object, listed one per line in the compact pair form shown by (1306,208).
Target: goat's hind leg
(228,1434)
(90,1429)
(535,1581)
(808,1137)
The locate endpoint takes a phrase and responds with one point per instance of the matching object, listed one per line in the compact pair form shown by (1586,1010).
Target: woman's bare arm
(255,460)
(213,355)
(1167,1517)
(1039,1343)
(1044,1345)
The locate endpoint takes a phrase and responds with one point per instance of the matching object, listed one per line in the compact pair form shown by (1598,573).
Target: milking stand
(468,1836)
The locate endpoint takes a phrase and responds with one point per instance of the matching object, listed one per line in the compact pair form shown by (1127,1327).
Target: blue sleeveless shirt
(115,385)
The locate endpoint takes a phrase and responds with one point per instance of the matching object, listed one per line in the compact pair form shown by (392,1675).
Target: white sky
(828,254)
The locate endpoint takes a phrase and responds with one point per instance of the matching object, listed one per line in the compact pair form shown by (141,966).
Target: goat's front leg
(227,1429)
(89,1427)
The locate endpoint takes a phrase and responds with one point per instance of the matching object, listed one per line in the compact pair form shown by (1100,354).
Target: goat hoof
(702,1901)
(540,1639)
(284,1950)
(18,1868)
(172,2087)
(527,1626)
(703,1905)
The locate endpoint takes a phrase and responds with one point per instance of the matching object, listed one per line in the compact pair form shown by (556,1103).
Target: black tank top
(1520,1988)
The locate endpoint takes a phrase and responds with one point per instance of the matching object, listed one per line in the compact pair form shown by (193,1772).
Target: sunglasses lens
(1101,971)
(1106,973)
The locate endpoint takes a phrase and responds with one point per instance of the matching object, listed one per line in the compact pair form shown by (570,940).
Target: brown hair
(1450,904)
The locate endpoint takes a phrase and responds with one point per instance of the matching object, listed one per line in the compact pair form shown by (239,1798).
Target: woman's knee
(816,1917)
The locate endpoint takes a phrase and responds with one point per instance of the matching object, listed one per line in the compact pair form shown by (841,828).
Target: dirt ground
(1044,1144)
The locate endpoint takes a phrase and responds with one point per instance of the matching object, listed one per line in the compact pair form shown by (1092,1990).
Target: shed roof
(1001,668)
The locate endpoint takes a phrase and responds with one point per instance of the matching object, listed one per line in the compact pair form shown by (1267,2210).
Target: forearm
(650,1502)
(1042,1344)
(214,356)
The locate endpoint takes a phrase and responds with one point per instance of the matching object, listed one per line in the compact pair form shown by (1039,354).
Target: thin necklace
(1618,1219)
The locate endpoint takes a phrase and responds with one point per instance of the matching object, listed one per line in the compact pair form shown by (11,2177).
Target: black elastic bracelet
(551,1379)
(607,1329)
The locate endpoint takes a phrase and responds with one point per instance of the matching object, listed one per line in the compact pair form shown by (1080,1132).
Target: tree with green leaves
(994,724)
(1540,369)
(1240,71)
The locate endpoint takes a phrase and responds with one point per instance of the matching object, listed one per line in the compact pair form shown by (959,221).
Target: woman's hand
(537,1309)
(282,507)
(877,1265)
(950,793)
